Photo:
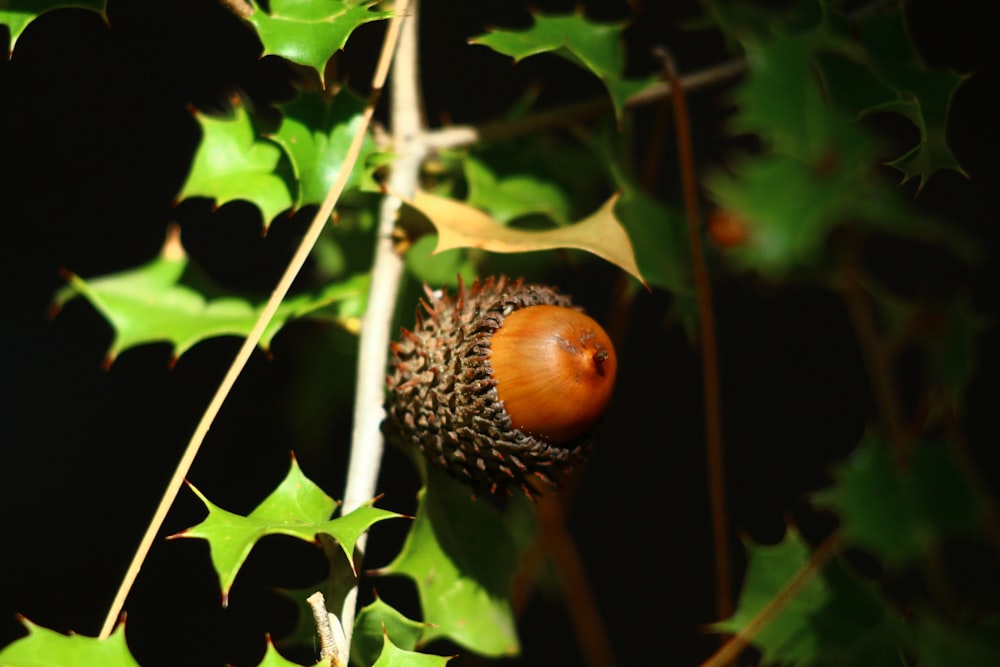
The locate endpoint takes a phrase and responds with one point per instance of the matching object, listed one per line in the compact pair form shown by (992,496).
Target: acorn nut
(502,383)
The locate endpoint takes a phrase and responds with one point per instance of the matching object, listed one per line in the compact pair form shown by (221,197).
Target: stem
(294,266)
(735,645)
(709,347)
(241,8)
(464,135)
(366,439)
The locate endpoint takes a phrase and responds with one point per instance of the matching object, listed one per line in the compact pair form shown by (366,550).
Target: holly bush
(219,214)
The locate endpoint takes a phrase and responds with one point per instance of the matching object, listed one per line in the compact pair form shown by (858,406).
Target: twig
(250,344)
(332,642)
(366,438)
(240,8)
(736,644)
(464,135)
(709,347)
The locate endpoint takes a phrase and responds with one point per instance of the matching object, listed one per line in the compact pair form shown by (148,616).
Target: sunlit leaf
(373,624)
(17,14)
(308,32)
(900,510)
(595,46)
(461,558)
(462,226)
(171,300)
(836,619)
(274,659)
(316,133)
(47,648)
(393,656)
(297,508)
(232,163)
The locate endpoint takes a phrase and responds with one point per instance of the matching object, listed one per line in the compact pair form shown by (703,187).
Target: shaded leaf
(373,624)
(940,644)
(316,134)
(595,46)
(17,14)
(899,511)
(308,32)
(231,163)
(48,648)
(506,198)
(274,659)
(462,226)
(393,656)
(461,558)
(297,508)
(171,300)
(836,619)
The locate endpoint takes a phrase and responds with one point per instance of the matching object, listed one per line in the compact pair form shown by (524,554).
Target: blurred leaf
(439,268)
(461,558)
(922,95)
(462,226)
(835,620)
(171,300)
(274,659)
(899,511)
(17,14)
(373,624)
(393,656)
(230,164)
(297,508)
(316,134)
(506,198)
(48,648)
(940,644)
(594,46)
(308,32)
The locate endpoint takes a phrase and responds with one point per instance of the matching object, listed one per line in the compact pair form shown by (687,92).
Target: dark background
(97,138)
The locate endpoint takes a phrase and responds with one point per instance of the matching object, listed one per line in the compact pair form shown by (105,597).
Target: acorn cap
(443,397)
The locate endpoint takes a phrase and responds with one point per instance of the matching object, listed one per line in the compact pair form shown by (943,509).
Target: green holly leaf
(297,508)
(836,619)
(47,648)
(315,133)
(231,163)
(274,659)
(17,14)
(377,621)
(393,656)
(461,558)
(508,197)
(898,511)
(170,299)
(309,32)
(922,95)
(594,46)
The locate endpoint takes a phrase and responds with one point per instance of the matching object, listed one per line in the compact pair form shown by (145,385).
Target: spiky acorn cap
(443,396)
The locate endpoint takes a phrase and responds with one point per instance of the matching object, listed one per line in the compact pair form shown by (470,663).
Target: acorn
(502,383)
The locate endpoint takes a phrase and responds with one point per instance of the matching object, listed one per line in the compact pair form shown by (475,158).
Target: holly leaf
(47,648)
(316,133)
(508,197)
(377,621)
(899,511)
(836,619)
(460,225)
(922,95)
(274,659)
(308,32)
(17,14)
(393,656)
(461,558)
(231,163)
(594,46)
(297,508)
(170,299)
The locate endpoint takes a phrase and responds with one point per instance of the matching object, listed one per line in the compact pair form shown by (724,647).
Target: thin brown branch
(813,567)
(464,135)
(240,8)
(709,346)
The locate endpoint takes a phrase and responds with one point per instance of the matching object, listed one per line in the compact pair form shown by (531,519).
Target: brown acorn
(502,383)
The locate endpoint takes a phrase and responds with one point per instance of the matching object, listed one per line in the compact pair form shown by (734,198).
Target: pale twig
(463,135)
(332,642)
(240,8)
(366,439)
(319,221)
